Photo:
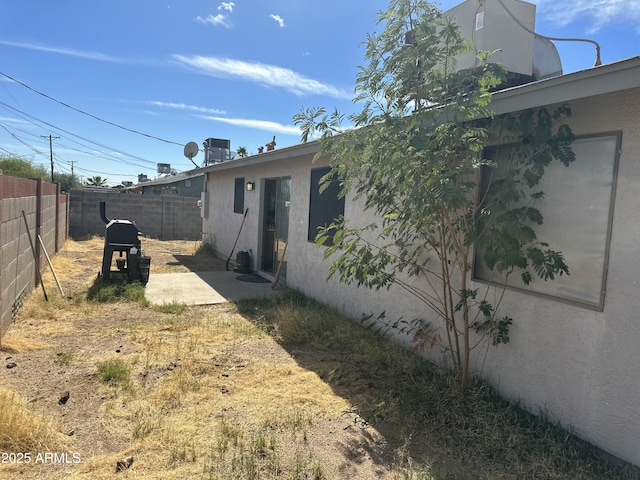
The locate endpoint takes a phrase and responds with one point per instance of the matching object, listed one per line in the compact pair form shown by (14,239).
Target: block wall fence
(53,217)
(28,208)
(166,217)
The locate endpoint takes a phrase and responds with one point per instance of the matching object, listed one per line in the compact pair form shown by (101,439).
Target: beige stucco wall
(575,364)
(579,365)
(222,225)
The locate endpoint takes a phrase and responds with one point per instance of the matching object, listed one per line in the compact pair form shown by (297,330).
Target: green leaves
(547,264)
(315,120)
(19,167)
(420,163)
(539,138)
(358,261)
(486,322)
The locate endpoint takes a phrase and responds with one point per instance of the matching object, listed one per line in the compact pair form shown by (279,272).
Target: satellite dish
(191,150)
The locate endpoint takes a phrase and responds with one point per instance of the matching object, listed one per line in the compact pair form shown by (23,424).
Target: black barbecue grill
(123,236)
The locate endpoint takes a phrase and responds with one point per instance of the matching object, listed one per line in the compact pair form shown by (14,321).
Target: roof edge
(620,75)
(603,79)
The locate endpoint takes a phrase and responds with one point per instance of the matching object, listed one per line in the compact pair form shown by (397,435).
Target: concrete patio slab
(203,288)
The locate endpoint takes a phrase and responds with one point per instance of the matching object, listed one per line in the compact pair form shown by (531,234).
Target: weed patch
(115,371)
(173,308)
(116,291)
(64,357)
(392,385)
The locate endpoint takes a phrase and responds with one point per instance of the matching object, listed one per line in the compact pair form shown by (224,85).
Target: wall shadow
(424,419)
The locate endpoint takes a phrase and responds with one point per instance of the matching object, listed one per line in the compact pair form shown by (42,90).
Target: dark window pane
(324,207)
(238,198)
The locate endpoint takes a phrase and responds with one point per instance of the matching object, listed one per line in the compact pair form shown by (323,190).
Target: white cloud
(228,6)
(14,120)
(596,13)
(189,108)
(221,18)
(64,51)
(218,19)
(278,19)
(273,127)
(267,75)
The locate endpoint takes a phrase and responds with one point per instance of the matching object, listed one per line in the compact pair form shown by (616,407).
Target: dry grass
(182,393)
(15,344)
(23,430)
(281,388)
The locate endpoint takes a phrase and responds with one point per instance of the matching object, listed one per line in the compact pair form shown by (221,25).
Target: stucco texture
(575,364)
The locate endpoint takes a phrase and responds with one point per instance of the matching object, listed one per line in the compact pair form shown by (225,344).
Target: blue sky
(152,75)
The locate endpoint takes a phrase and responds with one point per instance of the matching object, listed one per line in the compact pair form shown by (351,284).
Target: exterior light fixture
(251,186)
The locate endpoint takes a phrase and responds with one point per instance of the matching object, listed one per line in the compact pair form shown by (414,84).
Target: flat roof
(591,82)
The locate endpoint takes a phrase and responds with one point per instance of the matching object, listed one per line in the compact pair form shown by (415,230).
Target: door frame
(275,203)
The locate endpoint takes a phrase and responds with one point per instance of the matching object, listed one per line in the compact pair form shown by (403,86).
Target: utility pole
(51,138)
(72,162)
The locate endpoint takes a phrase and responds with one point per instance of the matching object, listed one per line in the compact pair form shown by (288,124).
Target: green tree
(414,158)
(66,181)
(19,167)
(242,152)
(96,181)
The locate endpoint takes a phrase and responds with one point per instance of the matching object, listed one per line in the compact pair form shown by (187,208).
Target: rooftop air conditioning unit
(508,27)
(216,150)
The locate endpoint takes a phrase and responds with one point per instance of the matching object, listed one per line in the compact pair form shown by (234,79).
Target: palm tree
(96,181)
(242,152)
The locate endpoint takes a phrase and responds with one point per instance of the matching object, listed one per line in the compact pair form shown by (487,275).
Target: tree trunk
(464,380)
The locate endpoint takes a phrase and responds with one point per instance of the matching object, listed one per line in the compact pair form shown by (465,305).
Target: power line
(24,114)
(6,151)
(87,113)
(35,150)
(100,154)
(63,168)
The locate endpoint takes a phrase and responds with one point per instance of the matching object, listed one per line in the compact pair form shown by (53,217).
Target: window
(238,196)
(577,211)
(324,207)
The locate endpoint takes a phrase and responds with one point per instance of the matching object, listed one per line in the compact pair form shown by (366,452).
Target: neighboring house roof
(603,79)
(170,179)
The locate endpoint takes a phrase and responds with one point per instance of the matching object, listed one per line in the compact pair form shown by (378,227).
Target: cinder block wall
(46,216)
(157,216)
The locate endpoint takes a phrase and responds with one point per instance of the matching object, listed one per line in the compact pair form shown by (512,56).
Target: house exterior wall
(221,226)
(575,364)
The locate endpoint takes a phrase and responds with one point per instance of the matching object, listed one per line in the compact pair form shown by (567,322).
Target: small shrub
(115,371)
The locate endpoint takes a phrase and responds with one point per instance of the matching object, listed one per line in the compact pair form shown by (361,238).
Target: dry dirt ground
(53,349)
